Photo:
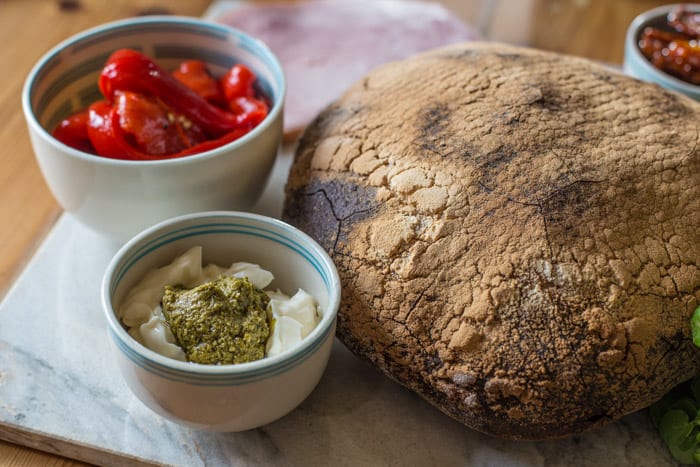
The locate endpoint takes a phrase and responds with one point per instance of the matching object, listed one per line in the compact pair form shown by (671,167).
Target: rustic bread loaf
(517,233)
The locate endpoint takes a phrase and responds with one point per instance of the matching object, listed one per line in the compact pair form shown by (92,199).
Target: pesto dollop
(289,319)
(219,322)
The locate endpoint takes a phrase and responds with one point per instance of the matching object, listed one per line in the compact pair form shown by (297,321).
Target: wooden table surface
(28,28)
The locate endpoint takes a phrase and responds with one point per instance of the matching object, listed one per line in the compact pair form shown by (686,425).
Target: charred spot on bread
(326,210)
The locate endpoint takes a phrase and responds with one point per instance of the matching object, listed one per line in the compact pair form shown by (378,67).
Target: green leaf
(677,415)
(660,407)
(696,457)
(687,405)
(675,426)
(691,442)
(695,327)
(677,432)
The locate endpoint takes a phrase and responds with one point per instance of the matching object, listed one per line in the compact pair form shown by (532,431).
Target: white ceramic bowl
(636,64)
(225,397)
(119,198)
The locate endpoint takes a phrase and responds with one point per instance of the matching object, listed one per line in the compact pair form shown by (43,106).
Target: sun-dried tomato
(675,49)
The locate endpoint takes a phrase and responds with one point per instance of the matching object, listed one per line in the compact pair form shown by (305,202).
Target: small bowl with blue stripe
(119,198)
(229,397)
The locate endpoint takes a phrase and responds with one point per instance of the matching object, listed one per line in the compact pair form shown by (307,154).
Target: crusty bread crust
(517,233)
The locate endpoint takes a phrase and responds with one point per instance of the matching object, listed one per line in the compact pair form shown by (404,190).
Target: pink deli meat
(326,45)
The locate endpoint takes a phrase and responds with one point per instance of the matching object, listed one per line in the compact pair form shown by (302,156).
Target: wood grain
(590,28)
(27,30)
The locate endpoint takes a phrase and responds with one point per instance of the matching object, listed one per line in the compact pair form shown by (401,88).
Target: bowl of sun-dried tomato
(663,46)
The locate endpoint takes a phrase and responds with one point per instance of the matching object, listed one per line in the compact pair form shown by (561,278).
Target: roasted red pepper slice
(152,127)
(195,75)
(129,70)
(73,131)
(109,139)
(249,110)
(150,114)
(238,82)
(106,136)
(214,143)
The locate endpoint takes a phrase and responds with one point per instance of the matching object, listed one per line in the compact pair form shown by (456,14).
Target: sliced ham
(326,45)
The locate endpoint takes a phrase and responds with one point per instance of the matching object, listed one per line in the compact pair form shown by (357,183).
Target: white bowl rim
(277,107)
(631,41)
(318,335)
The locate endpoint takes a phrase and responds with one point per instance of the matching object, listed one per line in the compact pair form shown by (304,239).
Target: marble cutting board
(60,391)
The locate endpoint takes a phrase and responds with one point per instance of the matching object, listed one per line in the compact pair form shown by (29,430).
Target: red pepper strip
(238,82)
(109,140)
(195,75)
(150,126)
(128,70)
(105,136)
(72,131)
(214,143)
(249,110)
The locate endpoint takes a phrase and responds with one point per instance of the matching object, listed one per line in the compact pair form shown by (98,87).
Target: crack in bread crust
(517,234)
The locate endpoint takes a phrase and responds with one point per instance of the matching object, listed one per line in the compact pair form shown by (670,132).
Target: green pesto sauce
(219,322)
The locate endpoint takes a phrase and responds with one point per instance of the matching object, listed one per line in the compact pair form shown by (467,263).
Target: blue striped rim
(90,66)
(283,236)
(217,228)
(141,26)
(205,379)
(66,108)
(173,51)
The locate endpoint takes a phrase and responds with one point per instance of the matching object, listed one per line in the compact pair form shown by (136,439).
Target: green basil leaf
(695,327)
(677,433)
(687,405)
(675,426)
